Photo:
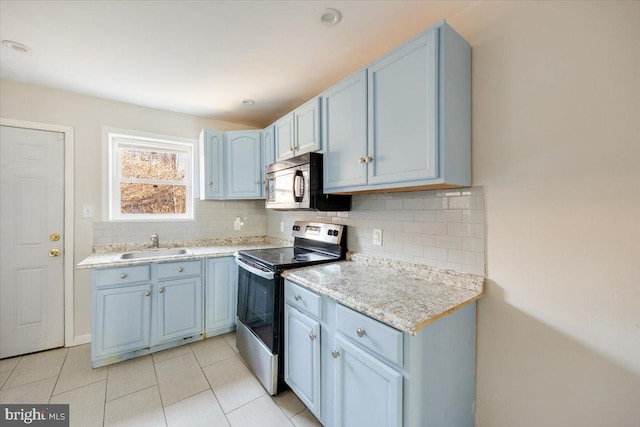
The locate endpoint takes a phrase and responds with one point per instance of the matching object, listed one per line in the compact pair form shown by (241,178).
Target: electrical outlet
(377,236)
(237,224)
(282,226)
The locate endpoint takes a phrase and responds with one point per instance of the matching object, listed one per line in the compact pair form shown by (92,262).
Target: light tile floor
(199,384)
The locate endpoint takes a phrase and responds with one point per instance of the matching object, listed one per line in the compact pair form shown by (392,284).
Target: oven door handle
(268,275)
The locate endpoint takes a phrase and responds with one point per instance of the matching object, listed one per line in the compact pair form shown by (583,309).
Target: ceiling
(205,57)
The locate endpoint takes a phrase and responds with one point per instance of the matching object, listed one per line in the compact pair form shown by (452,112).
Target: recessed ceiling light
(330,17)
(19,47)
(248,101)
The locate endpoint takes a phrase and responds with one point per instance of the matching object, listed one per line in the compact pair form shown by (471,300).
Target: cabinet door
(307,127)
(211,164)
(302,357)
(403,113)
(122,320)
(285,142)
(179,308)
(221,295)
(268,154)
(243,162)
(345,133)
(368,392)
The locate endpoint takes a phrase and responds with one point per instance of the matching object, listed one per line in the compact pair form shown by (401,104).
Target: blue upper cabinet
(307,127)
(418,120)
(285,138)
(244,162)
(344,112)
(299,131)
(268,153)
(212,164)
(402,111)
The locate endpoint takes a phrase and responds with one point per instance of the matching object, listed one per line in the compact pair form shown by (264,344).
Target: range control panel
(329,233)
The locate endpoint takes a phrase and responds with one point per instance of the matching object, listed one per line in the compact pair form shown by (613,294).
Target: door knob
(368,159)
(54,237)
(361,160)
(54,252)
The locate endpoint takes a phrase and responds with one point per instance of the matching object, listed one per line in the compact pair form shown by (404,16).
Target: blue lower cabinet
(142,309)
(179,308)
(221,295)
(302,357)
(371,374)
(368,392)
(122,320)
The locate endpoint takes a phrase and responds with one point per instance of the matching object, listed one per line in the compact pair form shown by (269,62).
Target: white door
(31,236)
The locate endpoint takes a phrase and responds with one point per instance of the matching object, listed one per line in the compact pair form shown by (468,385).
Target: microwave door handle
(298,176)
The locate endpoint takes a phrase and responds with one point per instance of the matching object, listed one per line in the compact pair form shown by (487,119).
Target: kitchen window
(149,178)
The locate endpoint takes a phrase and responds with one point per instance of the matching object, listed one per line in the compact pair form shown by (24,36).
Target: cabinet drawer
(131,274)
(371,334)
(303,299)
(172,270)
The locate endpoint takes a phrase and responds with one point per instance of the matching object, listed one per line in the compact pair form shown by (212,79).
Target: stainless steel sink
(152,253)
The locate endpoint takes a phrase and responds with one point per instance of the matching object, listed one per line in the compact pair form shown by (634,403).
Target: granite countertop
(104,255)
(402,295)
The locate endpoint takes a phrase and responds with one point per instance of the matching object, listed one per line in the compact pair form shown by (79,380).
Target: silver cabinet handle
(161,290)
(210,182)
(368,159)
(146,294)
(361,160)
(297,297)
(335,354)
(312,336)
(123,276)
(180,269)
(360,332)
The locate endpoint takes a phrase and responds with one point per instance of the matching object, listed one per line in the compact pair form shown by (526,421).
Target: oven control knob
(335,232)
(330,233)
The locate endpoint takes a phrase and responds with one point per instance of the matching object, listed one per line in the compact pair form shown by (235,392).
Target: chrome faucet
(155,240)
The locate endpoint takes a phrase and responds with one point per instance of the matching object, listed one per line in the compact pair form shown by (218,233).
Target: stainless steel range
(260,330)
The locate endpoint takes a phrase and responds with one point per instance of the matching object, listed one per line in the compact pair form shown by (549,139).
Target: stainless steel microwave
(296,183)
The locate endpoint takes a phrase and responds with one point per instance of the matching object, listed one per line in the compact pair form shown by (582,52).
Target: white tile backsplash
(213,219)
(436,228)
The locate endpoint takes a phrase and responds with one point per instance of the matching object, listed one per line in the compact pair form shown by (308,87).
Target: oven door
(258,301)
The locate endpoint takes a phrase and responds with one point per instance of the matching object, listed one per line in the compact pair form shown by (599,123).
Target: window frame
(115,139)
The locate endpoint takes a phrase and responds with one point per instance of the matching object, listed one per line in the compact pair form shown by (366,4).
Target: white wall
(556,146)
(87,115)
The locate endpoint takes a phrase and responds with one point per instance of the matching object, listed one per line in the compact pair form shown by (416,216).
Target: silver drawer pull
(161,290)
(312,336)
(123,276)
(335,354)
(180,269)
(146,294)
(298,297)
(360,332)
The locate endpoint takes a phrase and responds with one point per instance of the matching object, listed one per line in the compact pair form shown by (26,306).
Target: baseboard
(79,340)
